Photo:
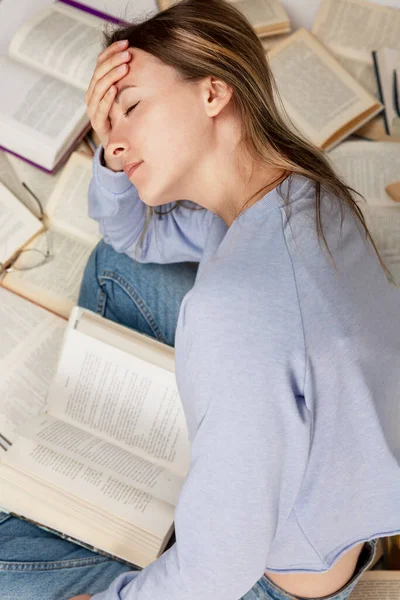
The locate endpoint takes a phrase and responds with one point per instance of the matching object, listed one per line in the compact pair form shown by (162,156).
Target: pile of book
(340,87)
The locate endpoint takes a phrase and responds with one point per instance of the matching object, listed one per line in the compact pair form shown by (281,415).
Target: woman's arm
(178,236)
(249,451)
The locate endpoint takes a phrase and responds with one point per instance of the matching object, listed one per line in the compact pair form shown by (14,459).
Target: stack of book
(339,86)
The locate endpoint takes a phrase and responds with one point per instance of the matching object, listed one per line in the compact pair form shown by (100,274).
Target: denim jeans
(34,563)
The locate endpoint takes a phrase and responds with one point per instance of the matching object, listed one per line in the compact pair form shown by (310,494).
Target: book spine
(396,99)
(378,80)
(93,11)
(4,442)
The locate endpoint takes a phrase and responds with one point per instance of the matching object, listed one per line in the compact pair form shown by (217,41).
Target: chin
(158,199)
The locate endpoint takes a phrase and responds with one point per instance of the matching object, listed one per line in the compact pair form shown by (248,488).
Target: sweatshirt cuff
(114,182)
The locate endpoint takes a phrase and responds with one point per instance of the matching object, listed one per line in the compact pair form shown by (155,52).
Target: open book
(30,343)
(267,17)
(352,29)
(387,71)
(322,100)
(105,463)
(50,62)
(377,585)
(71,236)
(369,168)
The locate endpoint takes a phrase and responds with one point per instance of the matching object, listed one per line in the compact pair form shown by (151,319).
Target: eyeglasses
(30,258)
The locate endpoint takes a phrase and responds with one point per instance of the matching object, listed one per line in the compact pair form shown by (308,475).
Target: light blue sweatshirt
(289,375)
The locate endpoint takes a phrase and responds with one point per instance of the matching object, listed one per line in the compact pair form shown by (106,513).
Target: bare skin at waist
(315,585)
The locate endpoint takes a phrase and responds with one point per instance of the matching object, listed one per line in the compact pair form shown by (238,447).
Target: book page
(269,42)
(41,183)
(55,284)
(10,179)
(62,42)
(261,12)
(73,519)
(105,458)
(377,585)
(368,168)
(17,224)
(93,486)
(354,28)
(39,115)
(384,225)
(68,205)
(30,343)
(362,72)
(387,62)
(318,111)
(124,338)
(121,398)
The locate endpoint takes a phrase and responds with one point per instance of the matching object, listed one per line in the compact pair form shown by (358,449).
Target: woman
(285,327)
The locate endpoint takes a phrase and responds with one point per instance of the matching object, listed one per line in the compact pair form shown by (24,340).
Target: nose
(117,144)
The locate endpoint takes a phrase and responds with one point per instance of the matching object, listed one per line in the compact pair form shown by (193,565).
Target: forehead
(146,70)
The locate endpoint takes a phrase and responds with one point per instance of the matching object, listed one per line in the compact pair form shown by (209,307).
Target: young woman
(286,330)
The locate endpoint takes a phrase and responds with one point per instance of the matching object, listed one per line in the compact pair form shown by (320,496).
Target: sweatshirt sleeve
(178,236)
(248,455)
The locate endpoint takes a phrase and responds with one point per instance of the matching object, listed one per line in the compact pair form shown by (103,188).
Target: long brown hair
(211,37)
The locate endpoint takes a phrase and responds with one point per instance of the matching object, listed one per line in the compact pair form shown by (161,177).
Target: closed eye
(129,109)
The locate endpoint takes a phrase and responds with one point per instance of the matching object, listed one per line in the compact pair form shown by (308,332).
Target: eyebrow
(124,87)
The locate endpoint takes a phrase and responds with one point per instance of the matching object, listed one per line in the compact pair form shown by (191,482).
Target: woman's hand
(101,92)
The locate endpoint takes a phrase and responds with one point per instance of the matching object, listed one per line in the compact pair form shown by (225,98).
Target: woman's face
(168,129)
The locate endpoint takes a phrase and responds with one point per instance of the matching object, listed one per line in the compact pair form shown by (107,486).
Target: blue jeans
(37,565)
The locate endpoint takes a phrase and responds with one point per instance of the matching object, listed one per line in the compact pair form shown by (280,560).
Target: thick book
(369,168)
(387,71)
(267,17)
(105,463)
(320,98)
(46,73)
(70,235)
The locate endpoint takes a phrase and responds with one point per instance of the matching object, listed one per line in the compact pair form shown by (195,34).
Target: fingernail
(122,43)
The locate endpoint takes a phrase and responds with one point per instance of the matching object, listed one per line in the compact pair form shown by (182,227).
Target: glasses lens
(29,259)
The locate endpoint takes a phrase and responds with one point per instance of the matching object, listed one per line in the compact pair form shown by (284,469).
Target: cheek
(175,134)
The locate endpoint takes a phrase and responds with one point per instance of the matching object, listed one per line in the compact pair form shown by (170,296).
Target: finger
(102,64)
(100,122)
(101,70)
(102,87)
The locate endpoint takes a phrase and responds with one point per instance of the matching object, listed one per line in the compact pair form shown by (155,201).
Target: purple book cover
(93,11)
(61,160)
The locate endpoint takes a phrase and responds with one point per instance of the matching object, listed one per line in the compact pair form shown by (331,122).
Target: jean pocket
(26,547)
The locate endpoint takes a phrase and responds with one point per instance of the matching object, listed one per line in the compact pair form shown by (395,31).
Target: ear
(216,95)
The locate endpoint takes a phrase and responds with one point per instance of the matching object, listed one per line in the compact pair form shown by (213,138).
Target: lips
(131,167)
